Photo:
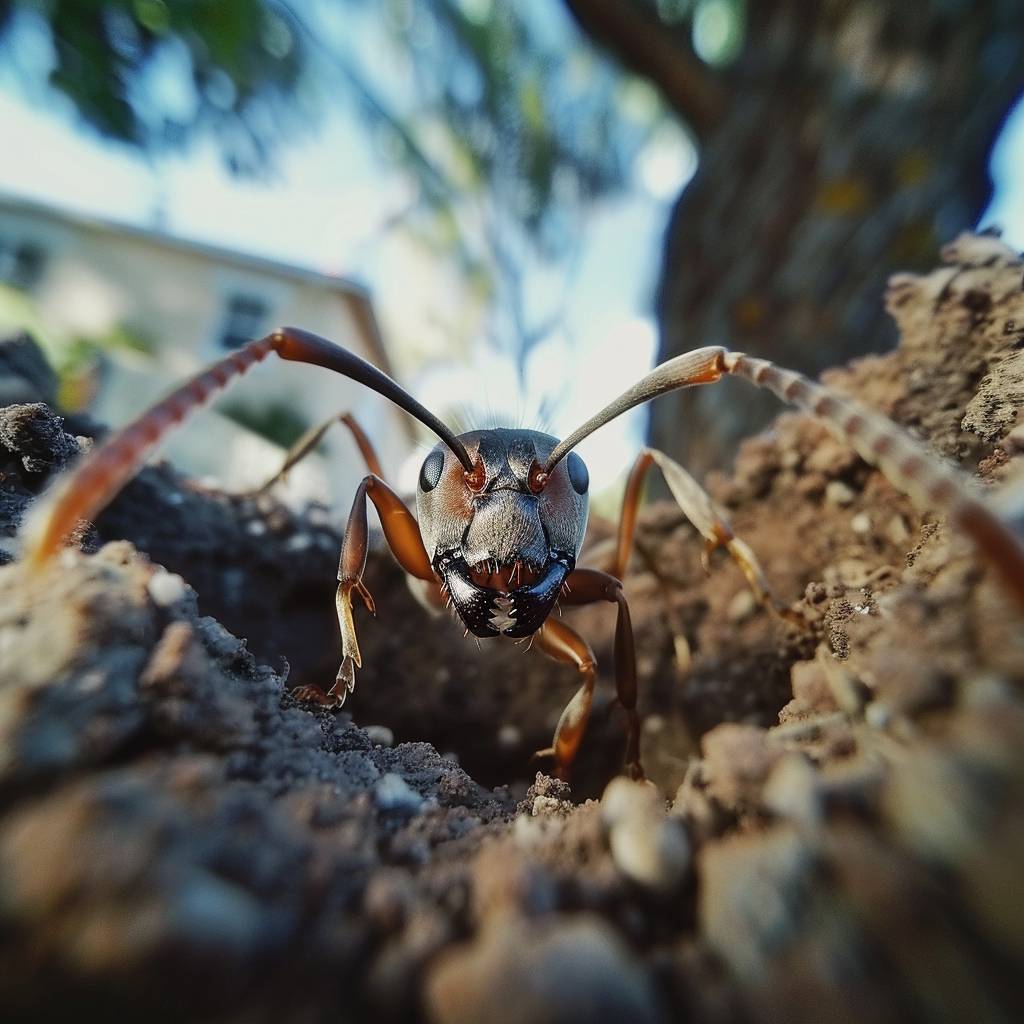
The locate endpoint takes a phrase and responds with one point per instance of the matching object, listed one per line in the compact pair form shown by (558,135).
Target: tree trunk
(852,137)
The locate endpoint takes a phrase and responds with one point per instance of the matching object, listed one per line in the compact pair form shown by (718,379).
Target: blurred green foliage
(240,59)
(507,123)
(76,359)
(276,421)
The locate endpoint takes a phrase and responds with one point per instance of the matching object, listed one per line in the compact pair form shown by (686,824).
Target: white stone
(861,523)
(393,793)
(380,734)
(166,588)
(838,493)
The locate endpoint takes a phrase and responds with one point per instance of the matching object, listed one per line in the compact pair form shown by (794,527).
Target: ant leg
(564,644)
(403,537)
(587,586)
(906,463)
(707,517)
(312,437)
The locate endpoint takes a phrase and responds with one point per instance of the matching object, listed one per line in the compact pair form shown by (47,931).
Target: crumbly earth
(837,825)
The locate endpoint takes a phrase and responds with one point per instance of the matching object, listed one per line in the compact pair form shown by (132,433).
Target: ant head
(503,535)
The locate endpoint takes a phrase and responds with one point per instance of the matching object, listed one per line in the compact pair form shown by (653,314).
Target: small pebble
(380,734)
(741,607)
(792,791)
(393,793)
(861,523)
(546,805)
(647,847)
(622,797)
(838,493)
(165,588)
(877,715)
(652,854)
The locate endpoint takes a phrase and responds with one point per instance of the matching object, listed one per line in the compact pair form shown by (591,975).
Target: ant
(502,513)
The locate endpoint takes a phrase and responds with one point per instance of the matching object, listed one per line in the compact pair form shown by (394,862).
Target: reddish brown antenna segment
(83,492)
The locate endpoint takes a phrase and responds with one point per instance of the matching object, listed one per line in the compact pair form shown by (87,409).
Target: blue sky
(1007,208)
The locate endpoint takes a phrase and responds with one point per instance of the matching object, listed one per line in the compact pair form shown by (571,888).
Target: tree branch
(647,47)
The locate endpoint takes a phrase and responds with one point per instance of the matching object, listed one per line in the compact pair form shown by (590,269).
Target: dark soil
(838,824)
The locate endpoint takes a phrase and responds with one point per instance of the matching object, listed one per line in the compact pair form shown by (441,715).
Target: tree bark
(854,139)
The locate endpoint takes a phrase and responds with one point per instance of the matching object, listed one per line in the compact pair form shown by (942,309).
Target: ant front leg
(564,644)
(403,537)
(587,586)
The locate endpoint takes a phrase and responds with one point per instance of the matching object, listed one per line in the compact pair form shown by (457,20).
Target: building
(189,303)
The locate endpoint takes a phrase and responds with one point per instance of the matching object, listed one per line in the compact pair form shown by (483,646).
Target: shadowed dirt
(838,823)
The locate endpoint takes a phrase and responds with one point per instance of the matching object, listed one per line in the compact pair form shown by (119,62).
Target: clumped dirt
(837,825)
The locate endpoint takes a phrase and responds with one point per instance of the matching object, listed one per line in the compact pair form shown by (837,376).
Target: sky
(324,208)
(1007,207)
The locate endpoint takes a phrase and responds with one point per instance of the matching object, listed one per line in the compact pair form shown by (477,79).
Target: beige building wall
(96,276)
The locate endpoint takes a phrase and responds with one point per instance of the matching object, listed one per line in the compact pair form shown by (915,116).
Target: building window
(21,263)
(244,319)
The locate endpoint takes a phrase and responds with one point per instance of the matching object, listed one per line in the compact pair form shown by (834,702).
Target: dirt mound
(846,819)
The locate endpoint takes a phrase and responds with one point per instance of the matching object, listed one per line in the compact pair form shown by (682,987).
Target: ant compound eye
(579,477)
(430,471)
(476,479)
(538,478)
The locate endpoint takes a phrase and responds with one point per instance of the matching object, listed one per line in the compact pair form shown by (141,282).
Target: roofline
(110,225)
(356,297)
(170,241)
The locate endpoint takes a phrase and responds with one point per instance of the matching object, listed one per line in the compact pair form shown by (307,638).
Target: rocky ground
(837,828)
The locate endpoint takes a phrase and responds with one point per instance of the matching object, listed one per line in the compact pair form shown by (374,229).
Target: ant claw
(367,597)
(345,682)
(705,555)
